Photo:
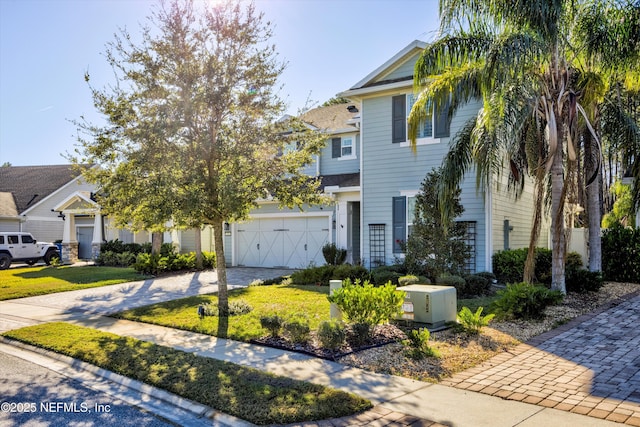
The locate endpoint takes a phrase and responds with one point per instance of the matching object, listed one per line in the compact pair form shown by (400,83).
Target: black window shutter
(336,147)
(399,118)
(442,122)
(399,223)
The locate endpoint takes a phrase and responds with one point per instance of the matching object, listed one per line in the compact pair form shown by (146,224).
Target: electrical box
(430,304)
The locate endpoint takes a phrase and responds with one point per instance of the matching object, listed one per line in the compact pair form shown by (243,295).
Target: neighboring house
(275,237)
(391,173)
(54,204)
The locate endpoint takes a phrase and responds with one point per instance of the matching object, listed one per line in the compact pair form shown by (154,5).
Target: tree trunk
(198,231)
(558,237)
(221,270)
(156,242)
(530,263)
(592,167)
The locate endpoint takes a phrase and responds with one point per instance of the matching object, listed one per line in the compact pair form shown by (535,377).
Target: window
(342,147)
(411,213)
(435,127)
(1,240)
(27,239)
(12,240)
(426,130)
(404,209)
(347,147)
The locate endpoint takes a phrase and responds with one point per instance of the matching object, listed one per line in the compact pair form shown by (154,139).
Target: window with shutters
(343,148)
(430,131)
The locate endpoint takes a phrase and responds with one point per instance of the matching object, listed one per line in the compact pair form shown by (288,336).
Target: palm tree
(608,49)
(515,56)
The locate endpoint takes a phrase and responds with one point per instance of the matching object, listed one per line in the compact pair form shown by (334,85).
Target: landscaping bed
(460,351)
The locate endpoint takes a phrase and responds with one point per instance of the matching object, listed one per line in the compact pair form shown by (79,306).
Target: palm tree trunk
(592,166)
(558,237)
(221,270)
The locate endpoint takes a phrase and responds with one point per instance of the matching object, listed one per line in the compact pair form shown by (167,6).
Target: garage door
(281,242)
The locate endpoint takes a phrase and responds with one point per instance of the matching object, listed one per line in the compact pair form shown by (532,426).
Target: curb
(196,410)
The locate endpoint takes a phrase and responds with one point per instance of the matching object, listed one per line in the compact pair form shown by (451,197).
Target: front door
(84,236)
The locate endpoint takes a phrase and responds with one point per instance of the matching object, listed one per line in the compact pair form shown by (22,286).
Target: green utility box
(431,304)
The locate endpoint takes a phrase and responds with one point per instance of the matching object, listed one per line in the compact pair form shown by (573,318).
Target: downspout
(488,219)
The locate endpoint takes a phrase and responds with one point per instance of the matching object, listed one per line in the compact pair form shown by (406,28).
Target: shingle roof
(30,184)
(341,180)
(331,118)
(7,205)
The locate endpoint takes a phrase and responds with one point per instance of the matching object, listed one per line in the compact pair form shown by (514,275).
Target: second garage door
(282,242)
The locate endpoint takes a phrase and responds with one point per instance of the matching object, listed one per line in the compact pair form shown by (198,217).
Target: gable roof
(7,205)
(31,184)
(380,76)
(333,118)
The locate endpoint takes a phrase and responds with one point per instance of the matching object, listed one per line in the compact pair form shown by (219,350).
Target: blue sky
(47,45)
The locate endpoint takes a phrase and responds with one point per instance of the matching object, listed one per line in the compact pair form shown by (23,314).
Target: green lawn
(26,282)
(284,300)
(247,393)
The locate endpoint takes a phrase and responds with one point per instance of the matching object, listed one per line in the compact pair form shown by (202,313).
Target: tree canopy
(522,60)
(193,132)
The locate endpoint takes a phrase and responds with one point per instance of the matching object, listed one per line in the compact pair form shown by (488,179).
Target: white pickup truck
(22,247)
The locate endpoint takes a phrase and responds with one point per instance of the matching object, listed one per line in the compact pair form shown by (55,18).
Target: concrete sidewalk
(398,401)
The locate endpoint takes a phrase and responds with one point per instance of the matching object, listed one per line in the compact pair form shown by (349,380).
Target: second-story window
(347,147)
(342,148)
(436,126)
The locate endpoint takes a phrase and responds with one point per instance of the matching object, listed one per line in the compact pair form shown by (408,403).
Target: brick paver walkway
(589,366)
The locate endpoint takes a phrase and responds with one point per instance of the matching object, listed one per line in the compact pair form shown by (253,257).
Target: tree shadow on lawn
(249,394)
(81,275)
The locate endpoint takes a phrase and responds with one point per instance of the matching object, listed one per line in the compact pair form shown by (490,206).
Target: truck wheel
(51,254)
(5,261)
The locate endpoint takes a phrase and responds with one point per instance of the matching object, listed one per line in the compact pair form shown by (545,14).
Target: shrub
(236,308)
(115,246)
(334,255)
(360,334)
(364,303)
(476,285)
(352,272)
(154,264)
(313,275)
(272,323)
(473,322)
(525,301)
(417,345)
(621,254)
(508,266)
(382,275)
(413,280)
(487,275)
(452,280)
(581,281)
(331,334)
(297,329)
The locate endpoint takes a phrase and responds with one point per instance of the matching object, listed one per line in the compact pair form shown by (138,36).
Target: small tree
(435,247)
(193,131)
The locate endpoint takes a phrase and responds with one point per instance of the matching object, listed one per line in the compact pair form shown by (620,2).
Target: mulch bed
(381,335)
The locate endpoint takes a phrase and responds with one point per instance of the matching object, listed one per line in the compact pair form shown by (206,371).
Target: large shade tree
(193,130)
(517,57)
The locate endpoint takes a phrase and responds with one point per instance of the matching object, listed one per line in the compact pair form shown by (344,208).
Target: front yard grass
(247,393)
(284,300)
(27,282)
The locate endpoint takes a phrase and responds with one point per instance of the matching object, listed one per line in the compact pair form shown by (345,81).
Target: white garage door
(282,242)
